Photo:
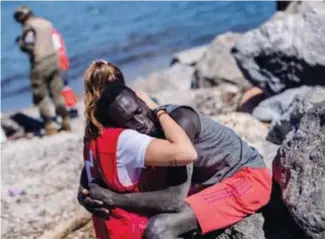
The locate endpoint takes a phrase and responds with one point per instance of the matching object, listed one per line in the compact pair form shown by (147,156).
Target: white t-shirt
(131,150)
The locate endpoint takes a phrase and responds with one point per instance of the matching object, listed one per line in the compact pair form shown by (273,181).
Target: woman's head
(98,75)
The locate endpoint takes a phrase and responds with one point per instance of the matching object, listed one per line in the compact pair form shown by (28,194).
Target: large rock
(299,168)
(288,6)
(217,65)
(285,52)
(290,118)
(208,101)
(175,77)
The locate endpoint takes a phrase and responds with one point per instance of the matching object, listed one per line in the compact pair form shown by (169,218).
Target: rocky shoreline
(284,57)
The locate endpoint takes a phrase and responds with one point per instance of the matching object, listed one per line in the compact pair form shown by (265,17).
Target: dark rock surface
(291,117)
(285,52)
(299,168)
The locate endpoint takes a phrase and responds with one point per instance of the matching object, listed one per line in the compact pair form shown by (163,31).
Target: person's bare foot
(250,99)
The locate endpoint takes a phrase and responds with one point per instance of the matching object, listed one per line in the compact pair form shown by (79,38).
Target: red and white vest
(101,162)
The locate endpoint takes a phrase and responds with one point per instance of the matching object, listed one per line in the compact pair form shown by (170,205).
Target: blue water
(139,37)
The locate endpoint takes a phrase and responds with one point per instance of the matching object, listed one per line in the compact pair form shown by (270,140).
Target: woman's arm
(170,199)
(176,150)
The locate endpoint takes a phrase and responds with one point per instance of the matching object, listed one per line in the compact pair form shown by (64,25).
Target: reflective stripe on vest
(59,46)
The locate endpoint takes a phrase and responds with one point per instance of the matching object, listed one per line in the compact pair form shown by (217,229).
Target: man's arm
(170,199)
(27,41)
(95,207)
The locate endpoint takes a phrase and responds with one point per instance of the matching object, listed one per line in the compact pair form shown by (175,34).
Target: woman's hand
(146,99)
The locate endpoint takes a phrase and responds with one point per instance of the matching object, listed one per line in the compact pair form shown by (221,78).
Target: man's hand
(95,207)
(100,194)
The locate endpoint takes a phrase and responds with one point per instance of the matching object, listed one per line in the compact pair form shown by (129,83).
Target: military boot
(50,128)
(66,124)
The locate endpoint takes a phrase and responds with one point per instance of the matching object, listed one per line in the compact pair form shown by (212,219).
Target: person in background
(10,129)
(36,41)
(70,98)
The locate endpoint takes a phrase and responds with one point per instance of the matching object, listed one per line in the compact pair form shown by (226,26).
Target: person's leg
(171,225)
(40,100)
(250,99)
(56,86)
(225,203)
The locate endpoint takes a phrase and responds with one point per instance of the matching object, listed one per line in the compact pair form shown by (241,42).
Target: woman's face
(128,111)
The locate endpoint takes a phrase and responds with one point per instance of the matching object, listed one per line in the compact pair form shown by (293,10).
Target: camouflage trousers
(46,83)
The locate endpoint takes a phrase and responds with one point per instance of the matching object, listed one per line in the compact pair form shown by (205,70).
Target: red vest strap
(107,142)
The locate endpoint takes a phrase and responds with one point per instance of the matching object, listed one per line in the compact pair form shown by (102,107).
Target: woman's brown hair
(99,74)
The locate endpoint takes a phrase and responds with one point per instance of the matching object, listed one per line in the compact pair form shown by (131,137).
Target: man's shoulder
(38,20)
(170,108)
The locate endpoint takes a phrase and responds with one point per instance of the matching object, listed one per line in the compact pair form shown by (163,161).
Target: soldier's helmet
(22,13)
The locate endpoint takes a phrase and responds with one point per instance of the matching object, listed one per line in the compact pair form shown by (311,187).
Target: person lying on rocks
(233,176)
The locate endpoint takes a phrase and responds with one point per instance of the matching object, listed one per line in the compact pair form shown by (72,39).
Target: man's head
(22,14)
(119,106)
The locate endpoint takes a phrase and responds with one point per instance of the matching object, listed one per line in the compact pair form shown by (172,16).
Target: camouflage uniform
(36,41)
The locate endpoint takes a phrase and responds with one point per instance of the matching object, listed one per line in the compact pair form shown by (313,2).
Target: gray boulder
(285,52)
(299,168)
(272,108)
(218,65)
(291,117)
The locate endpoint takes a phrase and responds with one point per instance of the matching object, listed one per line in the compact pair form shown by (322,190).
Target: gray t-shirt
(221,152)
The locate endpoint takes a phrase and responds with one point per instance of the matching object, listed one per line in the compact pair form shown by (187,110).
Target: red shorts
(234,198)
